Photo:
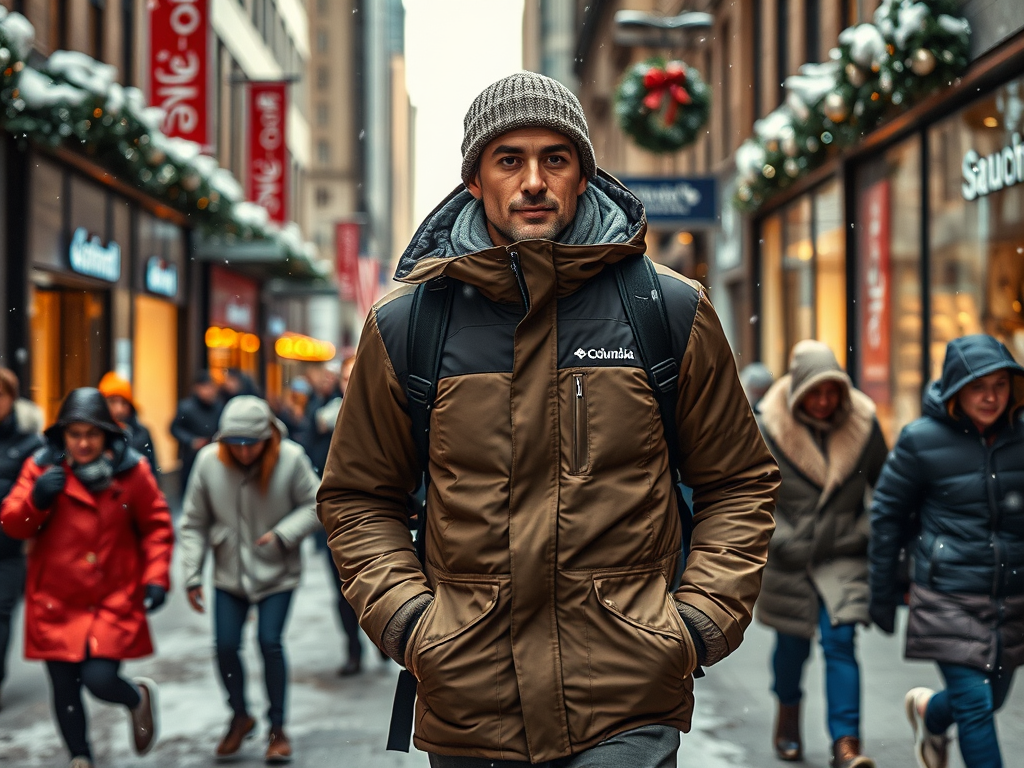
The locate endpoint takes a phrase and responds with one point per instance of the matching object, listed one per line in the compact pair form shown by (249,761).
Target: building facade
(886,252)
(100,275)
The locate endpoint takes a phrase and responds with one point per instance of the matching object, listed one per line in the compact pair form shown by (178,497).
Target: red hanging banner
(875,294)
(179,67)
(346,238)
(267,177)
(369,283)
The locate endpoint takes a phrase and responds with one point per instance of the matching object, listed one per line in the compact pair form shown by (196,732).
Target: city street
(336,721)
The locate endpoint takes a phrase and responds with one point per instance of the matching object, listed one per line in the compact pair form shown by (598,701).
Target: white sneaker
(932,750)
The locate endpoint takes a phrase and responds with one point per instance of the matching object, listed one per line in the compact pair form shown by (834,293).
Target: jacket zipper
(993,509)
(520,280)
(579,425)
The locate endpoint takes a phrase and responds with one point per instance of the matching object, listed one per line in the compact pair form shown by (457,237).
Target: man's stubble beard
(559,225)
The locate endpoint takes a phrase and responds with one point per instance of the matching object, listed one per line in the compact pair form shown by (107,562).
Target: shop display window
(976,226)
(888,293)
(803,276)
(156,372)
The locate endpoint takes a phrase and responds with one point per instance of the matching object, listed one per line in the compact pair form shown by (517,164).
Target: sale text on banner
(179,67)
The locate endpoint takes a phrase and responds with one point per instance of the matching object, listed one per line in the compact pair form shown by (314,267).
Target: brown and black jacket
(552,528)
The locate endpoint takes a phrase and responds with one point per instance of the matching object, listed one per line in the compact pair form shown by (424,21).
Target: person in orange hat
(118,392)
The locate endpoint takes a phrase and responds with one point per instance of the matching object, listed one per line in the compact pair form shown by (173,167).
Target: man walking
(544,628)
(196,421)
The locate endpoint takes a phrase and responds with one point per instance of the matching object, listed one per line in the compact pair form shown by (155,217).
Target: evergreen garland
(913,48)
(72,101)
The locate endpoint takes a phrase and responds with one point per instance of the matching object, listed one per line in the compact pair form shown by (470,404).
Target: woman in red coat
(99,560)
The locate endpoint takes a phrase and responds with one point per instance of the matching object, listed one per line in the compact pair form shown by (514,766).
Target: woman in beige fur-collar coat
(830,451)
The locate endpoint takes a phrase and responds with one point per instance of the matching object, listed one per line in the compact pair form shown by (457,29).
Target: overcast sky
(454,49)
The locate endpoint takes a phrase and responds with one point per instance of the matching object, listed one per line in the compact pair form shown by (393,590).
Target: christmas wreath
(662,104)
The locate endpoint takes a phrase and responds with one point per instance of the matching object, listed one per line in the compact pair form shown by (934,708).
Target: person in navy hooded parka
(952,493)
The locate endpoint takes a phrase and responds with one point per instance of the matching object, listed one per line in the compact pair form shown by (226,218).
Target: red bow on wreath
(669,81)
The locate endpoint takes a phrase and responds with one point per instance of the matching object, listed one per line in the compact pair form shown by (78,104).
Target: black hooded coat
(955,498)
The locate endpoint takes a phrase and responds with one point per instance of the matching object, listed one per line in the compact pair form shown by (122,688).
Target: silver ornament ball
(923,62)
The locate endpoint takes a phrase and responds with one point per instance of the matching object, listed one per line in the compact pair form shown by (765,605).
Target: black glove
(48,486)
(884,615)
(155,596)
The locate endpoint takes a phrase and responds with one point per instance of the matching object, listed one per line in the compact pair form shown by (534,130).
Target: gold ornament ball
(923,62)
(768,171)
(836,109)
(855,75)
(792,168)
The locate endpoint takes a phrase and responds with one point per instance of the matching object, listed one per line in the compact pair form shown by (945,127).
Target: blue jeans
(229,614)
(842,673)
(970,700)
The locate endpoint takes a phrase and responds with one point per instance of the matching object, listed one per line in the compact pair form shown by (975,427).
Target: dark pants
(652,746)
(12,587)
(842,673)
(229,614)
(349,620)
(103,679)
(970,700)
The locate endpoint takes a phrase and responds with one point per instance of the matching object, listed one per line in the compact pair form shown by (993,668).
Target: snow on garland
(662,105)
(74,101)
(912,49)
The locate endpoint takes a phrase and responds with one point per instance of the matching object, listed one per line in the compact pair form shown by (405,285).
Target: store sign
(678,199)
(88,256)
(875,294)
(984,175)
(294,346)
(179,67)
(268,162)
(234,300)
(346,238)
(161,277)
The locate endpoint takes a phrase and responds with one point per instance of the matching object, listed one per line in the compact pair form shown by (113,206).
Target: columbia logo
(605,354)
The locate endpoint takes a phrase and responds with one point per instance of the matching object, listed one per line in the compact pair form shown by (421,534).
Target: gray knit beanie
(525,100)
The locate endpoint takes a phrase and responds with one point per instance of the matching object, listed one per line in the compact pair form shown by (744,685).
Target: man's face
(120,408)
(529,181)
(821,401)
(984,400)
(207,392)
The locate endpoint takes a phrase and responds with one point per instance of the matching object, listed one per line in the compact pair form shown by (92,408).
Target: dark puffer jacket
(19,438)
(967,598)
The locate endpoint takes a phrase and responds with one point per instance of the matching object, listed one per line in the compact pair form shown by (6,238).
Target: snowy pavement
(343,721)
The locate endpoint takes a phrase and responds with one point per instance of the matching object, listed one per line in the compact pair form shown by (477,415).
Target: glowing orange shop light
(228,338)
(294,346)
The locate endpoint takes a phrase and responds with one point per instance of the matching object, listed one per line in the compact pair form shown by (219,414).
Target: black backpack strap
(645,308)
(648,318)
(428,325)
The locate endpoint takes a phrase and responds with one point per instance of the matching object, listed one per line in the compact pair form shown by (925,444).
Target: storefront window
(976,228)
(889,308)
(803,276)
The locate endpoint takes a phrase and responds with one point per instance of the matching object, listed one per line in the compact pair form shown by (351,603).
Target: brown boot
(279,750)
(143,717)
(846,754)
(787,733)
(239,730)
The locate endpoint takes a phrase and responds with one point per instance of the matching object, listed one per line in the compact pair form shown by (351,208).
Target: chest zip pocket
(580,431)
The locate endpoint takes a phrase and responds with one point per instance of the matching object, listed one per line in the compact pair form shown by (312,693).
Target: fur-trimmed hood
(844,444)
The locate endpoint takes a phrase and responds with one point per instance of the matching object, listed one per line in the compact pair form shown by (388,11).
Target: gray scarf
(598,220)
(96,475)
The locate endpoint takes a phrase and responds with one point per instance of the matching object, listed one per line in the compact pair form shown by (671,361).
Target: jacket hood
(967,359)
(433,253)
(813,363)
(28,417)
(88,405)
(247,419)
